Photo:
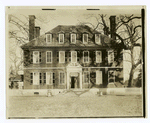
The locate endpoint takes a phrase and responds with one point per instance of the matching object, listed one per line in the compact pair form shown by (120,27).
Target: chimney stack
(31,27)
(113,27)
(37,32)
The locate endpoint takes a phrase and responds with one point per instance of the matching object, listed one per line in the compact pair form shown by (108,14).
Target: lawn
(74,106)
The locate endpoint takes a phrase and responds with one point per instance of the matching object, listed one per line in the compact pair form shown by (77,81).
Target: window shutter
(61,56)
(74,56)
(98,77)
(98,56)
(35,57)
(36,78)
(110,56)
(49,78)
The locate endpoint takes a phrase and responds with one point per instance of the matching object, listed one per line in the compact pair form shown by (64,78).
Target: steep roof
(67,30)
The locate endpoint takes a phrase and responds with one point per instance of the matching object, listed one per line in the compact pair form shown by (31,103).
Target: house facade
(71,57)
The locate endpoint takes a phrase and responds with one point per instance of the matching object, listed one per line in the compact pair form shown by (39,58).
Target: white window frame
(114,75)
(51,56)
(100,56)
(51,73)
(59,39)
(99,42)
(60,56)
(108,56)
(59,77)
(83,56)
(37,83)
(50,38)
(75,39)
(38,57)
(89,77)
(83,39)
(72,57)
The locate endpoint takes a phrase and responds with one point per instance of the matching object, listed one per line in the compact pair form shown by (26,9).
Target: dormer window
(49,38)
(61,38)
(73,38)
(97,39)
(85,38)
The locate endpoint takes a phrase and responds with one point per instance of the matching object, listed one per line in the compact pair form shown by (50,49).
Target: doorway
(74,82)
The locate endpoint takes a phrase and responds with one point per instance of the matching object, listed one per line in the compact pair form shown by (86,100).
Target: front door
(72,82)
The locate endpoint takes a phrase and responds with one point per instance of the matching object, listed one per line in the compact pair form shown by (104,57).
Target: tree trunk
(131,77)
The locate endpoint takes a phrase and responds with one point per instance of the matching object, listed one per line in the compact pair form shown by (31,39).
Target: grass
(74,106)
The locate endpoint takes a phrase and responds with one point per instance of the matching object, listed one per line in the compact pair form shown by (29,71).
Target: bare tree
(128,35)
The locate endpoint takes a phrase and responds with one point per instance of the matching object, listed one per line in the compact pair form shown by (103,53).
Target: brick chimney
(113,26)
(37,31)
(31,27)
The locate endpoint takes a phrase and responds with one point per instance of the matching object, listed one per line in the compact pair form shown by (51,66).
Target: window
(40,78)
(110,56)
(98,57)
(61,38)
(61,56)
(97,39)
(44,77)
(40,56)
(73,56)
(36,78)
(85,38)
(36,56)
(99,77)
(66,56)
(49,78)
(57,56)
(111,76)
(85,56)
(73,38)
(31,78)
(49,57)
(86,77)
(49,38)
(61,77)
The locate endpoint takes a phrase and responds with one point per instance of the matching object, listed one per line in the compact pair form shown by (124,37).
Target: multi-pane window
(61,56)
(111,76)
(49,78)
(86,56)
(40,56)
(85,38)
(49,38)
(73,56)
(44,77)
(98,56)
(35,78)
(97,39)
(40,78)
(61,77)
(61,38)
(110,56)
(31,78)
(49,57)
(73,38)
(86,75)
(36,56)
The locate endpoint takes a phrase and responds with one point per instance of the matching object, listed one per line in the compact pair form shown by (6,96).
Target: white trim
(109,56)
(71,38)
(38,57)
(89,77)
(99,42)
(51,56)
(59,56)
(59,39)
(76,56)
(59,78)
(100,56)
(83,39)
(88,57)
(114,74)
(51,73)
(50,38)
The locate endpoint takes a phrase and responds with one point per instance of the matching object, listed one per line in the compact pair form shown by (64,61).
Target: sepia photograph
(75,62)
